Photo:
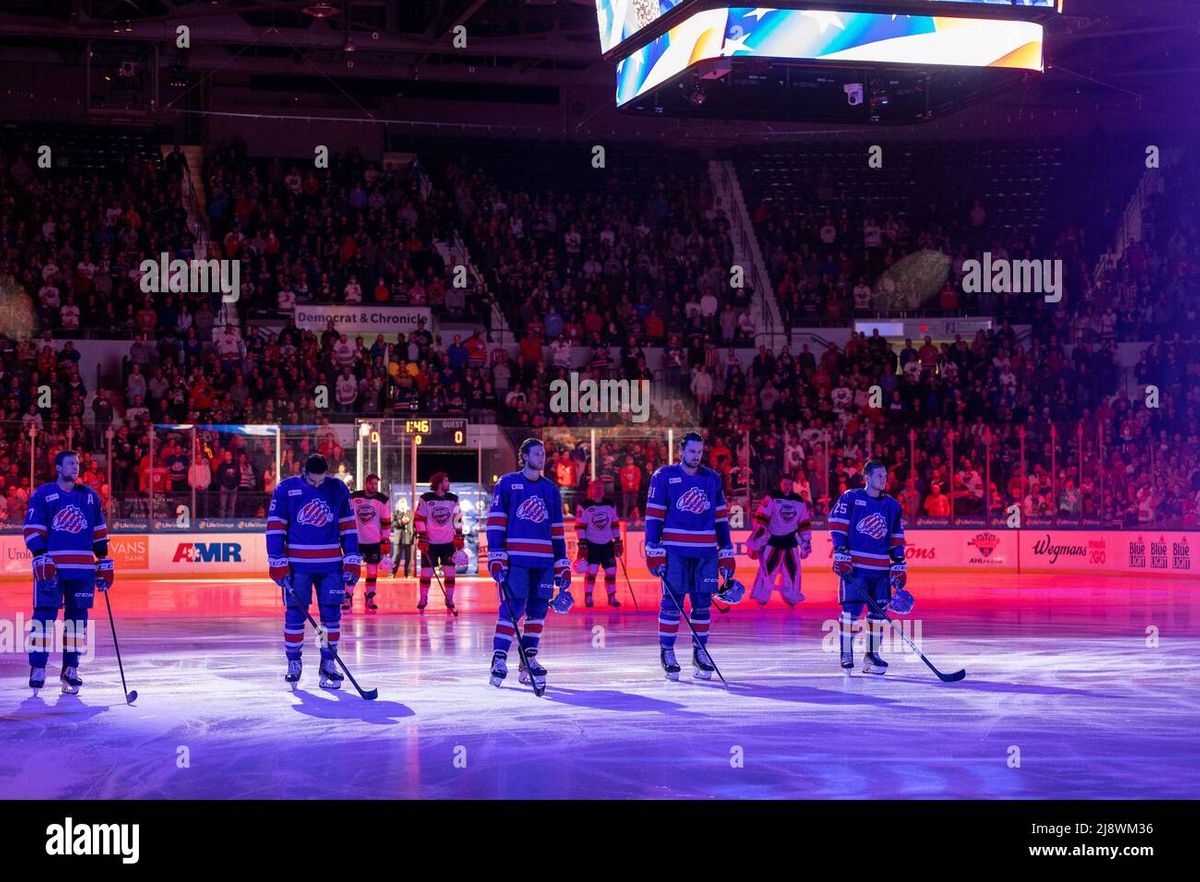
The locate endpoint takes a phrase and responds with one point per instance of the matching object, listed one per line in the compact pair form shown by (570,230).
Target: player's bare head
(691,449)
(532,454)
(875,475)
(315,468)
(596,491)
(66,463)
(785,484)
(439,483)
(371,484)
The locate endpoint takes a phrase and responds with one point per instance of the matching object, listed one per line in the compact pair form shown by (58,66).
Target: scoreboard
(432,431)
(626,24)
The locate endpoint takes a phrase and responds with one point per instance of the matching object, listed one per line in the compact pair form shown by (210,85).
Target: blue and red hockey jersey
(69,526)
(869,528)
(313,527)
(526,521)
(687,514)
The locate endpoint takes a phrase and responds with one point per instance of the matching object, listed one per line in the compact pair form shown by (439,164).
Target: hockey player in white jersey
(373,517)
(782,537)
(439,529)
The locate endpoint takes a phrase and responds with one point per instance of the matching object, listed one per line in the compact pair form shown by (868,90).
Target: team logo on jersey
(69,520)
(440,515)
(533,509)
(315,513)
(693,500)
(787,512)
(873,525)
(366,513)
(601,520)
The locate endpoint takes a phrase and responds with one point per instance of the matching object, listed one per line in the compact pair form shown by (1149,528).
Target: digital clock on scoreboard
(434,432)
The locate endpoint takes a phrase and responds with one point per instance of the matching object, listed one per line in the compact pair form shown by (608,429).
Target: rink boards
(1151,553)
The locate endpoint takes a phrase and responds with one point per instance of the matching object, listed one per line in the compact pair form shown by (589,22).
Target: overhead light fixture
(320,10)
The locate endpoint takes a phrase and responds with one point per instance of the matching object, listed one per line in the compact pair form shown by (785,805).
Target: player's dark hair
(372,477)
(316,464)
(523,451)
(690,436)
(62,455)
(436,480)
(872,465)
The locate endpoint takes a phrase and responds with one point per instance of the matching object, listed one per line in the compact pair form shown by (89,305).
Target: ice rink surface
(1072,691)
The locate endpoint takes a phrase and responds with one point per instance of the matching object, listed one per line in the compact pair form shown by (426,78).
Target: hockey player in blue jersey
(868,558)
(66,533)
(312,543)
(527,555)
(688,545)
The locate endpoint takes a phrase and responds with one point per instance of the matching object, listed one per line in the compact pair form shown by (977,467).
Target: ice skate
(37,678)
(873,664)
(534,671)
(331,677)
(499,668)
(670,665)
(371,605)
(70,680)
(295,666)
(702,663)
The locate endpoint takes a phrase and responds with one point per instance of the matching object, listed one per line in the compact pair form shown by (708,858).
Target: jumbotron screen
(856,37)
(623,20)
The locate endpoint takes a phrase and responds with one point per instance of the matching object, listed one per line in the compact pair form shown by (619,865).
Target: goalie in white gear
(782,537)
(599,543)
(439,529)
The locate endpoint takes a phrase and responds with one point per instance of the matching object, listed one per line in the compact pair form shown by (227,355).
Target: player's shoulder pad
(710,472)
(452,497)
(380,497)
(428,495)
(586,504)
(360,494)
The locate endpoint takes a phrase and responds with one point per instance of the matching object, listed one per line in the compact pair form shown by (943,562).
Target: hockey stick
(512,616)
(625,573)
(449,605)
(130,697)
(945,678)
(367,694)
(695,637)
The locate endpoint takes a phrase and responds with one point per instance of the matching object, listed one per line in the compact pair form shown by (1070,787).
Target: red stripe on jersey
(325,552)
(72,557)
(529,546)
(276,524)
(897,542)
(692,538)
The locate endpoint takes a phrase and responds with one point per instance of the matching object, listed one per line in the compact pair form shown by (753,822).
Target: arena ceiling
(1139,59)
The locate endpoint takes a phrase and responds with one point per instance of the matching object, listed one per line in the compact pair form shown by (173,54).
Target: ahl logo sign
(986,544)
(208,552)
